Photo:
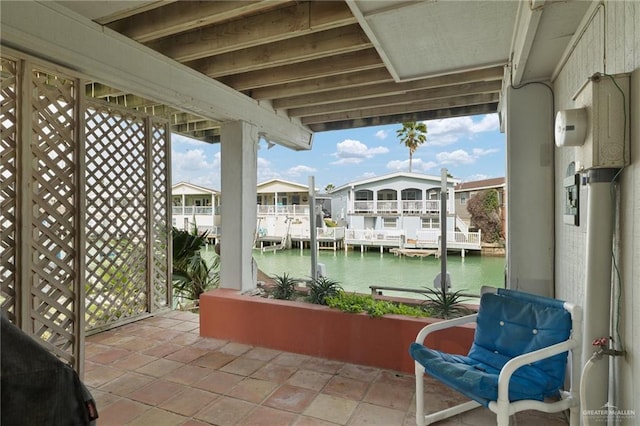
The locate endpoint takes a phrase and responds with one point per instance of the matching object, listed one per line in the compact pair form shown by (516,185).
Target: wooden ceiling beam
(390,88)
(428,105)
(353,102)
(299,49)
(323,84)
(400,118)
(284,23)
(195,126)
(337,64)
(208,136)
(186,15)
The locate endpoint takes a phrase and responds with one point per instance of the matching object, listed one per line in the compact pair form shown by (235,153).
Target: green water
(357,271)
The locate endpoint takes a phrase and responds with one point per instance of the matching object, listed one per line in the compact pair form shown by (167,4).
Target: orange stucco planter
(321,331)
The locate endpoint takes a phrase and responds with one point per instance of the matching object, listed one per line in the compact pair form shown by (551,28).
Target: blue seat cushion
(508,325)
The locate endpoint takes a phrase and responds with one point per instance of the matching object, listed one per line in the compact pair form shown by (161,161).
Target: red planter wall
(320,331)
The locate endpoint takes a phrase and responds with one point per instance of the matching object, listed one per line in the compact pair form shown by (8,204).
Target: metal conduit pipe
(597,289)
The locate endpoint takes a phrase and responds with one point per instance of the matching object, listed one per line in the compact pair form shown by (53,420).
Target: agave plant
(285,286)
(321,288)
(445,305)
(191,274)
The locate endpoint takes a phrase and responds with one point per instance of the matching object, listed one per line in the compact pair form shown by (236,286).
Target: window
(463,198)
(430,223)
(389,222)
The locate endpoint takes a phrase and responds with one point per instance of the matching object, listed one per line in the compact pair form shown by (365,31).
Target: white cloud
(300,170)
(351,151)
(460,156)
(382,134)
(193,166)
(449,130)
(416,166)
(265,171)
(479,152)
(183,140)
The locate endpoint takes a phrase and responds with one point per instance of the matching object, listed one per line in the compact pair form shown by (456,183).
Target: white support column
(239,150)
(530,191)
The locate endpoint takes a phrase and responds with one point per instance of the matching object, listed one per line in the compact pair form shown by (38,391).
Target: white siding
(611,44)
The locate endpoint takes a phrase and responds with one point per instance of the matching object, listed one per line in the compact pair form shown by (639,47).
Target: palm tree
(412,135)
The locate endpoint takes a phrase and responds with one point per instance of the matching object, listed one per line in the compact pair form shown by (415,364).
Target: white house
(194,204)
(400,200)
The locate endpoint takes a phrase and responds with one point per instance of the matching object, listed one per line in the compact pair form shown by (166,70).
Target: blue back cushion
(512,323)
(509,324)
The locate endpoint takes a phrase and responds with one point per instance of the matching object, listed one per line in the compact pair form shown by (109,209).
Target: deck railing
(396,206)
(195,210)
(289,210)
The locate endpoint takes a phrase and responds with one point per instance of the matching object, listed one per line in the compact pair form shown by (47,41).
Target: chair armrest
(510,367)
(441,325)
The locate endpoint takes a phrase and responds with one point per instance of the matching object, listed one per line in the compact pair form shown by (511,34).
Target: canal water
(357,271)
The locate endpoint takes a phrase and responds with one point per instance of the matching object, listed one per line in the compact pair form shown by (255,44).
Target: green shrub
(357,303)
(285,286)
(445,305)
(321,288)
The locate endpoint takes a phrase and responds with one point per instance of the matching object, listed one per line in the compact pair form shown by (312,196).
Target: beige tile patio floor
(159,371)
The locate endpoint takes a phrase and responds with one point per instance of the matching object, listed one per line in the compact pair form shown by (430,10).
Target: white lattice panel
(8,156)
(117,215)
(54,220)
(161,231)
(88,204)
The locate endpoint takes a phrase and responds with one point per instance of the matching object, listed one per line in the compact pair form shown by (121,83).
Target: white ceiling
(438,38)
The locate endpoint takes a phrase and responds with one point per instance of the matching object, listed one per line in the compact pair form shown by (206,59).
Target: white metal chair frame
(502,407)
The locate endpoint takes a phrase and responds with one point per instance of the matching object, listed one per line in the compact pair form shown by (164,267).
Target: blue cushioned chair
(517,361)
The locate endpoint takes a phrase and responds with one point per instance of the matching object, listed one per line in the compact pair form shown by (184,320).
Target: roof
(481,184)
(281,185)
(324,65)
(419,176)
(198,188)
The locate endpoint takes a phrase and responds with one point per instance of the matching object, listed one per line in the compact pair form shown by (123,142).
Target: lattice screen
(116,194)
(161,239)
(8,187)
(92,248)
(54,220)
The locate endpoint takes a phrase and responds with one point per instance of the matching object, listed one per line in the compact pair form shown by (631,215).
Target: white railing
(454,239)
(363,206)
(393,206)
(374,234)
(194,210)
(289,210)
(336,233)
(427,238)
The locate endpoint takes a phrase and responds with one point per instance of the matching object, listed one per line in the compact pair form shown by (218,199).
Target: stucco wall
(609,44)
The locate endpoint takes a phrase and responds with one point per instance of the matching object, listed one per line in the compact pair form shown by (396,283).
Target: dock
(413,252)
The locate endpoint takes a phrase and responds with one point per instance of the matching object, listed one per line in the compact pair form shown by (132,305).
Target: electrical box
(606,101)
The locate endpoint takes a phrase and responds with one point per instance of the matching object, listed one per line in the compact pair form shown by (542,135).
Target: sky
(470,148)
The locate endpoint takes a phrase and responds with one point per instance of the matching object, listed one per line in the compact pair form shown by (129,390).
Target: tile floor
(159,371)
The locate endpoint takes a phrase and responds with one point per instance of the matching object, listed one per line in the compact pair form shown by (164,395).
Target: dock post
(462,253)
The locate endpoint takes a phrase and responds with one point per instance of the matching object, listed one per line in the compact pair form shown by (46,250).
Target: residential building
(194,204)
(398,207)
(464,191)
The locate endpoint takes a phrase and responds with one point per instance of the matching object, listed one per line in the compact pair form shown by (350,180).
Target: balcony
(195,210)
(406,207)
(287,210)
(160,371)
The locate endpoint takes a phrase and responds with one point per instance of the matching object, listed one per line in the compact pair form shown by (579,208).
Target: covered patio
(159,371)
(92,91)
